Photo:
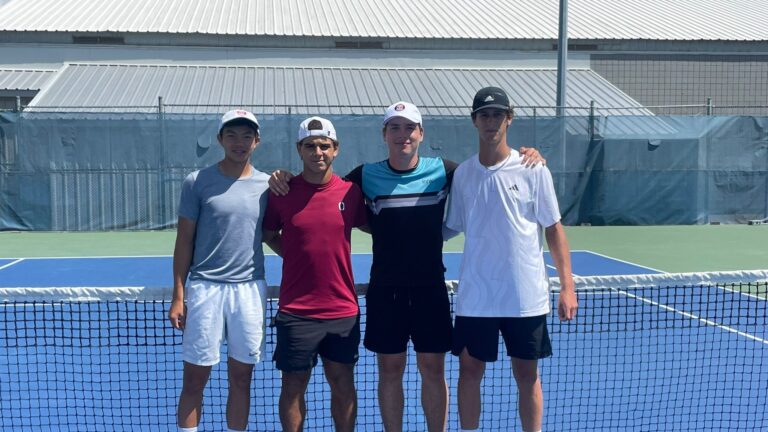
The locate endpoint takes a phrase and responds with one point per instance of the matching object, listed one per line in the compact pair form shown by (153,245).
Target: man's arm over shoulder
(531,157)
(278,182)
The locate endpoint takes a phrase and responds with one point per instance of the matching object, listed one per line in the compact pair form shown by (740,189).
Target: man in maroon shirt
(317,309)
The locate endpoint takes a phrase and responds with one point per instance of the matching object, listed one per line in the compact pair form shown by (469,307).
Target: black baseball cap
(490,97)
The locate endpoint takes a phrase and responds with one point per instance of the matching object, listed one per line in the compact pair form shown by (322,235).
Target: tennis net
(650,352)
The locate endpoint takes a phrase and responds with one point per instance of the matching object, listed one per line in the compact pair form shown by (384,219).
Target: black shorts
(301,339)
(526,338)
(397,314)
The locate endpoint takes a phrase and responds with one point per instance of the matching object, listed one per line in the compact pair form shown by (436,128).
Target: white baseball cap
(316,126)
(238,114)
(402,109)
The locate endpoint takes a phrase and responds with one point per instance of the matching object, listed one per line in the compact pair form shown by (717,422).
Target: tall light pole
(562,58)
(562,73)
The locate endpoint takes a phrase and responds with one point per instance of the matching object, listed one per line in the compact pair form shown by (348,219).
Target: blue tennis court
(683,356)
(155,271)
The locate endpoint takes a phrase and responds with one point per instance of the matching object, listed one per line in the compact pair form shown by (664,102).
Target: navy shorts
(397,314)
(301,339)
(526,338)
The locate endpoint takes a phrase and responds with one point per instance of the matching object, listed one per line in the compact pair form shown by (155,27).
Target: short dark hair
(510,112)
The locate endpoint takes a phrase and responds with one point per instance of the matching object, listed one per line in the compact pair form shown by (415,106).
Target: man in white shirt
(501,206)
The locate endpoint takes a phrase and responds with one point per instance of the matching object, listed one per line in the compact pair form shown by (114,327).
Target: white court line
(555,269)
(731,290)
(622,261)
(692,316)
(95,257)
(143,256)
(11,263)
(608,257)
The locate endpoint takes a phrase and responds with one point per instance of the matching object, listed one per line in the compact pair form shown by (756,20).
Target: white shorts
(224,311)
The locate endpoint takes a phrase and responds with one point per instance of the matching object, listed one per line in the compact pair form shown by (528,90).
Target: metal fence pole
(562,59)
(562,74)
(161,164)
(535,132)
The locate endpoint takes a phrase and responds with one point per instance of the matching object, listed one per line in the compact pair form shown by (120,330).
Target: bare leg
(471,371)
(191,398)
(391,399)
(292,406)
(239,397)
(531,399)
(341,379)
(434,390)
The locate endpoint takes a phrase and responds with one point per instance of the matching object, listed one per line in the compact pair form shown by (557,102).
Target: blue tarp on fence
(110,171)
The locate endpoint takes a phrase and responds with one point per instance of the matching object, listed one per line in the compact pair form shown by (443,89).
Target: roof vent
(98,40)
(360,44)
(578,47)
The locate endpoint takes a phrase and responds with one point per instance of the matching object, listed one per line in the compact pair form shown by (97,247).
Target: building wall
(737,84)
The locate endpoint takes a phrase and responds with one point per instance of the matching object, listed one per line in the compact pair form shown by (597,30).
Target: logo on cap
(399,107)
(241,113)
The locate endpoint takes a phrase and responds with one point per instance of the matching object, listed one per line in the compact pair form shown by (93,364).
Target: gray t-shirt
(228,213)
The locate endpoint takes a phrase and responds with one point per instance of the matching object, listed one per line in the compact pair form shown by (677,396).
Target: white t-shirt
(502,210)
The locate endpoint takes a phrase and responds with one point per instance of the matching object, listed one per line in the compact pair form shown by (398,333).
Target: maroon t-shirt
(316,223)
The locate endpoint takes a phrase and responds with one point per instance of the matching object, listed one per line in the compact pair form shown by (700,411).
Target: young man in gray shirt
(218,249)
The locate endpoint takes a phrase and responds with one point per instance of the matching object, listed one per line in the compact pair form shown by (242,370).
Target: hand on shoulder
(531,157)
(278,182)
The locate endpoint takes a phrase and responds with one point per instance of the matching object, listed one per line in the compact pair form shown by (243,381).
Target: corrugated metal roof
(24,79)
(735,20)
(206,89)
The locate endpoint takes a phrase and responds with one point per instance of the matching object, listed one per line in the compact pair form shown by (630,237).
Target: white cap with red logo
(238,114)
(406,110)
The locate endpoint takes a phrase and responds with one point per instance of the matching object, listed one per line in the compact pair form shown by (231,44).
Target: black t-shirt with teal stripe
(405,213)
